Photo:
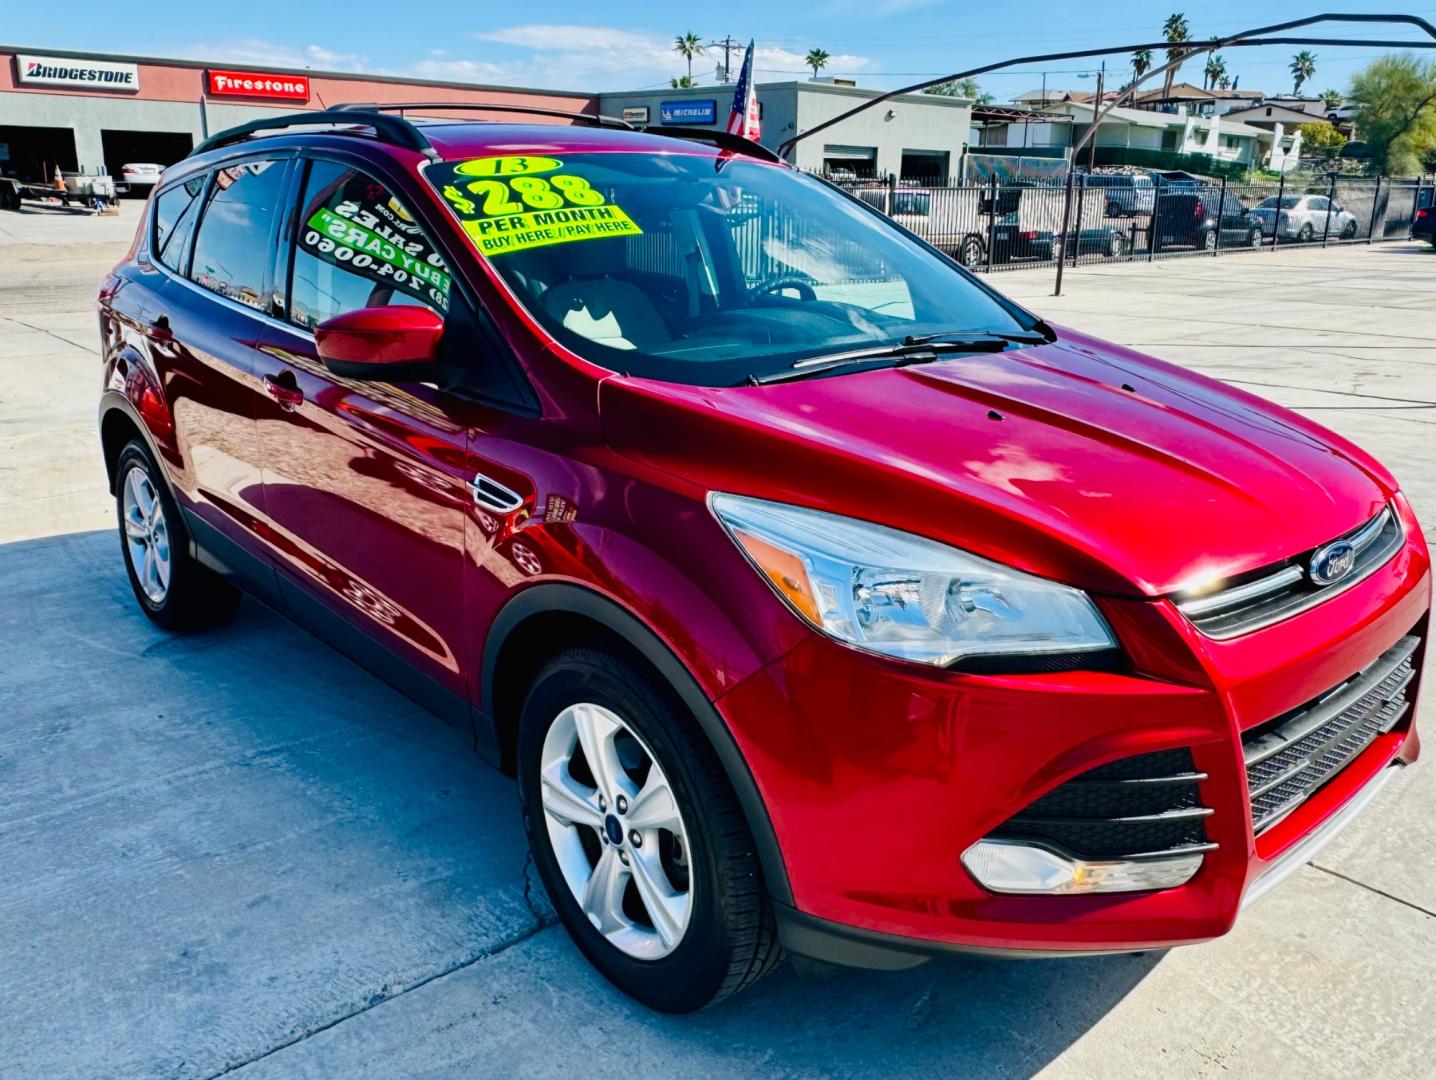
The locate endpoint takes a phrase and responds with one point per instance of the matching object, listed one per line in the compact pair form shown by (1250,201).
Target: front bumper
(878,777)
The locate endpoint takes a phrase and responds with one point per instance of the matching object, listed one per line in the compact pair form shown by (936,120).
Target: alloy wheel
(146,534)
(616,831)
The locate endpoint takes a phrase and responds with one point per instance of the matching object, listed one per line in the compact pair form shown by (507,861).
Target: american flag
(743,119)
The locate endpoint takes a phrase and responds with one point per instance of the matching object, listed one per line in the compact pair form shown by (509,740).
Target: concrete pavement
(239,853)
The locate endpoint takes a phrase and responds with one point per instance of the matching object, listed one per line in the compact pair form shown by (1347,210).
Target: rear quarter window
(232,248)
(176,211)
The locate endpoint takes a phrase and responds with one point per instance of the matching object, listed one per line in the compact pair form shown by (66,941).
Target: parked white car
(1304,217)
(141,175)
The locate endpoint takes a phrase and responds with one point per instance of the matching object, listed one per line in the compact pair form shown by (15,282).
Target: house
(1178,133)
(1195,100)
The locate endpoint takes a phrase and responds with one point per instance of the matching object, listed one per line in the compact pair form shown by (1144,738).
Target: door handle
(159,330)
(283,389)
(492,495)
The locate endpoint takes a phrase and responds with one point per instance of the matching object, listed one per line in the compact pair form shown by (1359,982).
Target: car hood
(1078,460)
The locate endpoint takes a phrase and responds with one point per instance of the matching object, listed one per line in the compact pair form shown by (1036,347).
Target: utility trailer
(87,191)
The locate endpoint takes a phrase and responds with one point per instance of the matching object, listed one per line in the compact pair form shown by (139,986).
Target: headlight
(904,596)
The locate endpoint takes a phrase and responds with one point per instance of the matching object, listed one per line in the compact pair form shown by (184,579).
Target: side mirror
(388,344)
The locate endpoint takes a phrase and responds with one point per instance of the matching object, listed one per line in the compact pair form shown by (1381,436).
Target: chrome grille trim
(1289,759)
(1287,590)
(1252,590)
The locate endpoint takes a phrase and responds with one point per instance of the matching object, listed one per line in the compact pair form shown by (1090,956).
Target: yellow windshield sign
(505,206)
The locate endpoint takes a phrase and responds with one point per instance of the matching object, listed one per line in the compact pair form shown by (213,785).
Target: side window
(1317,202)
(357,246)
(176,211)
(232,248)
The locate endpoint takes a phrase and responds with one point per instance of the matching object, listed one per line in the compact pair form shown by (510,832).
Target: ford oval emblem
(1332,563)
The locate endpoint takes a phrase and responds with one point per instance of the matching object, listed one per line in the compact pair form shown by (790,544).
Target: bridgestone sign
(76,74)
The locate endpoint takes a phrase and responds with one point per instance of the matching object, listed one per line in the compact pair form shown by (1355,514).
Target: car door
(368,484)
(212,249)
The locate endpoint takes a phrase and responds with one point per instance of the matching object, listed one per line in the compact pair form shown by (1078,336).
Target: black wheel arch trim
(549,597)
(114,401)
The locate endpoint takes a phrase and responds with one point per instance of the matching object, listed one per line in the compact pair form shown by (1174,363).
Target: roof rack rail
(596,119)
(724,140)
(391,129)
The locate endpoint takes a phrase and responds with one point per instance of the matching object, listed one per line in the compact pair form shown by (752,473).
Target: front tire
(638,837)
(173,589)
(970,254)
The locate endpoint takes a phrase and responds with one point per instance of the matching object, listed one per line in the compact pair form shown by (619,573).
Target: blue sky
(622,44)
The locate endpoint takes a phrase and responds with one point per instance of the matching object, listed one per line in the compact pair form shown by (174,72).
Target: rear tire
(1209,241)
(717,932)
(1305,234)
(173,589)
(970,254)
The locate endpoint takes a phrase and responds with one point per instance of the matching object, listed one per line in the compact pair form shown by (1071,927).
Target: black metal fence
(1115,217)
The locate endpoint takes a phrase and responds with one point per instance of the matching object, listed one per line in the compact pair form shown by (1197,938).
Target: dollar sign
(456,197)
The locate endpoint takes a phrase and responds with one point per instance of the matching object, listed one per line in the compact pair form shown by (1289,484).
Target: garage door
(157,147)
(35,152)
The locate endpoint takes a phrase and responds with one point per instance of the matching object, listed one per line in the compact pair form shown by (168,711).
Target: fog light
(1006,866)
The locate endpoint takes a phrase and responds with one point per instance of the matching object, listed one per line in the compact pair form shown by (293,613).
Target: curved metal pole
(1189,47)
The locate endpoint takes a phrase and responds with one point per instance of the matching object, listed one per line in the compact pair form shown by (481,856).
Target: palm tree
(816,59)
(1174,29)
(1225,82)
(1331,99)
(681,82)
(688,46)
(1209,80)
(1303,67)
(1141,64)
(1216,70)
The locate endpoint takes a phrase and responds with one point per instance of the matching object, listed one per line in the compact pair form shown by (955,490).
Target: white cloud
(572,57)
(566,38)
(540,55)
(262,53)
(772,61)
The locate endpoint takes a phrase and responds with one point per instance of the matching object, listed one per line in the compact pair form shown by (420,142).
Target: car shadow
(237,839)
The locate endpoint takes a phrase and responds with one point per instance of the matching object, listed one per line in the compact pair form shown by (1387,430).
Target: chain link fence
(997,225)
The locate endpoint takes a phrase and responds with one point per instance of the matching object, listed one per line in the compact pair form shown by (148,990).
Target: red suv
(818,596)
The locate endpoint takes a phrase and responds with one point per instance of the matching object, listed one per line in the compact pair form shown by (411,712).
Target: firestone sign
(254,85)
(76,74)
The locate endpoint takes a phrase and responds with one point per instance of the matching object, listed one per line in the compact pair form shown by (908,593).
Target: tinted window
(231,251)
(175,212)
(703,270)
(358,246)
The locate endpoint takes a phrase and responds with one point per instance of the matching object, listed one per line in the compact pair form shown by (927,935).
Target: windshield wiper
(961,338)
(912,349)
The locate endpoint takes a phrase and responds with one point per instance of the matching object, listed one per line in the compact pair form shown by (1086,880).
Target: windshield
(704,270)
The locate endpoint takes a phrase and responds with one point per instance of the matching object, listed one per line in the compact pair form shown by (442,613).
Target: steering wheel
(801,282)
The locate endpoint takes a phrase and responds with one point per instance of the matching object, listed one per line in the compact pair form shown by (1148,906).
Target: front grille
(1273,593)
(1138,807)
(1291,757)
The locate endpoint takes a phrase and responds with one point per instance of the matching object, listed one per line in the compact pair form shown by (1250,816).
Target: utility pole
(1096,111)
(727,45)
